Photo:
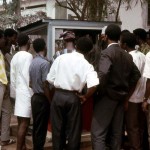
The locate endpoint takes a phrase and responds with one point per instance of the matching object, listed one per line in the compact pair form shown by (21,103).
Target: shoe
(10,141)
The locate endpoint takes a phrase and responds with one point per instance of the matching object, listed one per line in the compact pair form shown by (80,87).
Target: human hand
(145,106)
(82,98)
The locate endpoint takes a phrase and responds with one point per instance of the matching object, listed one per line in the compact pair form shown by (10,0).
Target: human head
(84,45)
(141,35)
(39,45)
(10,36)
(23,40)
(113,32)
(125,31)
(128,41)
(67,36)
(2,40)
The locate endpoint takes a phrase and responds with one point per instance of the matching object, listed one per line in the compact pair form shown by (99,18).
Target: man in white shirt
(69,73)
(146,99)
(135,117)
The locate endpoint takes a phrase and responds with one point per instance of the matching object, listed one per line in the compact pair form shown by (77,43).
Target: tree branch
(118,8)
(84,9)
(70,8)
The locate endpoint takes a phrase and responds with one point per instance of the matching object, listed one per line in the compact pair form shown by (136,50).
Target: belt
(66,91)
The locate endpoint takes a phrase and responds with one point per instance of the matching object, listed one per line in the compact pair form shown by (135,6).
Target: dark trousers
(40,112)
(108,115)
(66,120)
(135,123)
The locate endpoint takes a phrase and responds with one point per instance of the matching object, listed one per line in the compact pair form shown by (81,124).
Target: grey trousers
(135,123)
(5,111)
(66,121)
(108,115)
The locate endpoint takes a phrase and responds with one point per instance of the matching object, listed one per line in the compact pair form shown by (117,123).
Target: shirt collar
(41,56)
(112,44)
(66,51)
(133,51)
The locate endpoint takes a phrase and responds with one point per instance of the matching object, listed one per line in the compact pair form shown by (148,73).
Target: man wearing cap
(69,39)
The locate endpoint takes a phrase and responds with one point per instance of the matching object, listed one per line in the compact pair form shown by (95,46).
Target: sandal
(10,141)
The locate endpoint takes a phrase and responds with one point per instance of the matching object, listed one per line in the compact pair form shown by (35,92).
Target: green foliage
(11,16)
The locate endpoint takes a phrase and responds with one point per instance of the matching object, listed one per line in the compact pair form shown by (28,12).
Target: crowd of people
(115,73)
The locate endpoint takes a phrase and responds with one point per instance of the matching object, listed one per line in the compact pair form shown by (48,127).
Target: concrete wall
(37,4)
(32,11)
(133,18)
(50,8)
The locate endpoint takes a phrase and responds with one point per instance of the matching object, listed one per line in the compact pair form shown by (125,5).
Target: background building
(133,15)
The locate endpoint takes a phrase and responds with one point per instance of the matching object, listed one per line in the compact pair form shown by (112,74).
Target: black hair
(141,33)
(84,45)
(22,39)
(113,32)
(39,45)
(129,39)
(125,31)
(1,33)
(9,32)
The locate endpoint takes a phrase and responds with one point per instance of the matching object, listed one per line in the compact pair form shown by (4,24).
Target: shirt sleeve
(12,79)
(45,67)
(134,75)
(52,73)
(12,74)
(92,77)
(104,68)
(25,71)
(147,67)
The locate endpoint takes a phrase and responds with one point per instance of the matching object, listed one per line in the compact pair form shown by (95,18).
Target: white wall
(70,12)
(50,8)
(133,18)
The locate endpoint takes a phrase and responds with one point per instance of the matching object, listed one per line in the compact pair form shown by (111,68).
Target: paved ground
(29,139)
(12,146)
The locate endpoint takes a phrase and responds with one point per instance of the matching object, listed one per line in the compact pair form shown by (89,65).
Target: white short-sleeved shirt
(139,60)
(146,73)
(72,71)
